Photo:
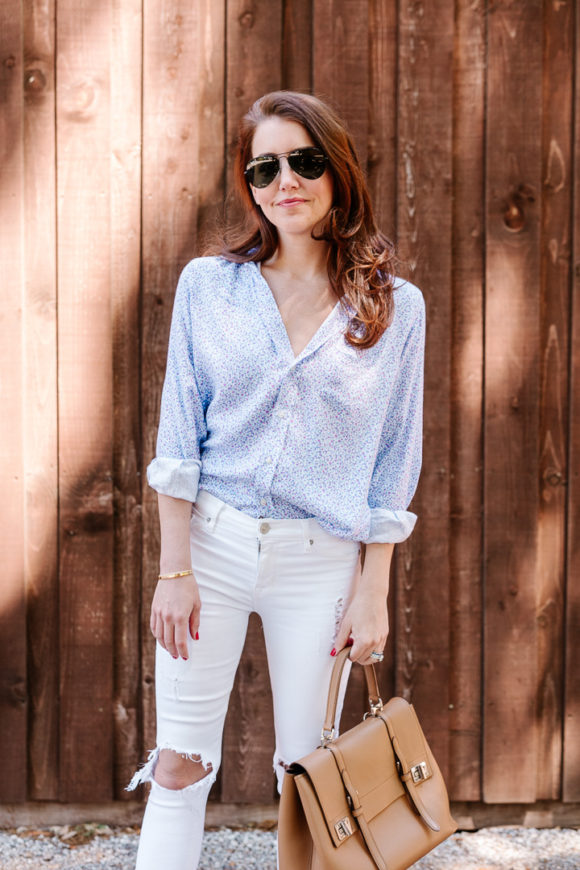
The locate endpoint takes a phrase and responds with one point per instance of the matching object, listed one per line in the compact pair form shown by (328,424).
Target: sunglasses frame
(267,158)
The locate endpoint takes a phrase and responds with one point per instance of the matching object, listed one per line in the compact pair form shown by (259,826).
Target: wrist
(374,585)
(174,563)
(175,575)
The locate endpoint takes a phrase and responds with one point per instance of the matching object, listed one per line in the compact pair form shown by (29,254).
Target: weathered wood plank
(85,400)
(571,750)
(297,45)
(13,688)
(41,423)
(341,63)
(254,67)
(126,77)
(183,147)
(555,314)
(466,492)
(513,192)
(424,219)
(382,113)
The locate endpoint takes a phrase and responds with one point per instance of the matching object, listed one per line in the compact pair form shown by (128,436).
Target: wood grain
(555,276)
(571,749)
(512,399)
(382,113)
(466,489)
(13,688)
(182,178)
(297,45)
(85,381)
(41,419)
(253,65)
(126,78)
(340,63)
(424,225)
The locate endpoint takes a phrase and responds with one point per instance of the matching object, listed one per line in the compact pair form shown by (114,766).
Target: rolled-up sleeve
(176,467)
(398,463)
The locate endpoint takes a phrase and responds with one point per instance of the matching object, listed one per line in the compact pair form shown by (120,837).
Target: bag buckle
(326,736)
(419,772)
(343,828)
(375,708)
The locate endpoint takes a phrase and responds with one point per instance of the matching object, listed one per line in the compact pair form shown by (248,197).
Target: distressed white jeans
(296,576)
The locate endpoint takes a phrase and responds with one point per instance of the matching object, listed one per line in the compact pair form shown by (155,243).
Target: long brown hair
(361,258)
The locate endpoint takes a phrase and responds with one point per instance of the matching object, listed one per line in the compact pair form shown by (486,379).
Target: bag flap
(370,775)
(367,785)
(326,782)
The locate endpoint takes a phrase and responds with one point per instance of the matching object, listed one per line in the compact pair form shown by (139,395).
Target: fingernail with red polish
(196,635)
(350,641)
(333,651)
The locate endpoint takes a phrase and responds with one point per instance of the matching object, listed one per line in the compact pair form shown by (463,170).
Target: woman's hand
(175,614)
(365,619)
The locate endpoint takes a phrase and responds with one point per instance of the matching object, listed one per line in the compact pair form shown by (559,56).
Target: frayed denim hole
(338,610)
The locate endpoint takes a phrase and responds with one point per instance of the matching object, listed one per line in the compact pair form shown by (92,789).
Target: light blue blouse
(334,433)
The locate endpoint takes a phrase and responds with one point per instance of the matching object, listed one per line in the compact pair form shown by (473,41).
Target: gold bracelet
(174,575)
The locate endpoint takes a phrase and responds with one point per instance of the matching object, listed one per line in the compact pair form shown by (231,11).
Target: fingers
(180,637)
(175,611)
(363,647)
(342,636)
(194,624)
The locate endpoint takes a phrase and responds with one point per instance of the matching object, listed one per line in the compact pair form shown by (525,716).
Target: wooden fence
(118,123)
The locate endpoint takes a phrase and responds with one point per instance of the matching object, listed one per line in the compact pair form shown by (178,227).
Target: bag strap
(375,702)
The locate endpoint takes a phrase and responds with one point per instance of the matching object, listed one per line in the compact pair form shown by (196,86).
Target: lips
(292,201)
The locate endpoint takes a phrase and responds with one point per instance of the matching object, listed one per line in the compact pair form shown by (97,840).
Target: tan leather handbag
(373,797)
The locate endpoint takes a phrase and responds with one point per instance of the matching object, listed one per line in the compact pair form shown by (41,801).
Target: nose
(287,175)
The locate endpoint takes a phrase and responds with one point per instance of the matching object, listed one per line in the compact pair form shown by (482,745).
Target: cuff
(178,478)
(390,527)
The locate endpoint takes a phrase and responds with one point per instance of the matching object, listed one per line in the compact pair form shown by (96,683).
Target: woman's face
(295,205)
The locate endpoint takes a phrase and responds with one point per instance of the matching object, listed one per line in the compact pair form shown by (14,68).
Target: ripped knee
(175,770)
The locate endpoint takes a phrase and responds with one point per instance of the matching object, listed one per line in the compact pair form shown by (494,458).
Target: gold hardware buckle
(419,772)
(326,736)
(343,828)
(375,708)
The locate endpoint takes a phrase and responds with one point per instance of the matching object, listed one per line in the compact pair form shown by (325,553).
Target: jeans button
(264,528)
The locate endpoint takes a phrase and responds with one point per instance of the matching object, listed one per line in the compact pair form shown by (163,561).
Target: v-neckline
(316,339)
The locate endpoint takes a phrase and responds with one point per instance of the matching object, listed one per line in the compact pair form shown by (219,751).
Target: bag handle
(375,702)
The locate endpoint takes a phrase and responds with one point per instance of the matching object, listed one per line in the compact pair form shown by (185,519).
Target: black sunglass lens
(307,163)
(264,172)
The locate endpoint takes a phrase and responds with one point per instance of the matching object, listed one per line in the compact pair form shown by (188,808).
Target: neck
(300,256)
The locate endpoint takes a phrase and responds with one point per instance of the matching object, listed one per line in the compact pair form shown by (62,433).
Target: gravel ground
(94,847)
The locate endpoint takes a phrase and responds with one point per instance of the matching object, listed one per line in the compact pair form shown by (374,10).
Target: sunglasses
(307,162)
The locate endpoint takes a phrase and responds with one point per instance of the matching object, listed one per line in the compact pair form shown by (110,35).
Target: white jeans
(296,576)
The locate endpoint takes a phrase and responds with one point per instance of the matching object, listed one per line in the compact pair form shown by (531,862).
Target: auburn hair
(361,258)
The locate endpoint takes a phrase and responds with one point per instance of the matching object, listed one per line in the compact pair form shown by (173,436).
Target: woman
(290,432)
